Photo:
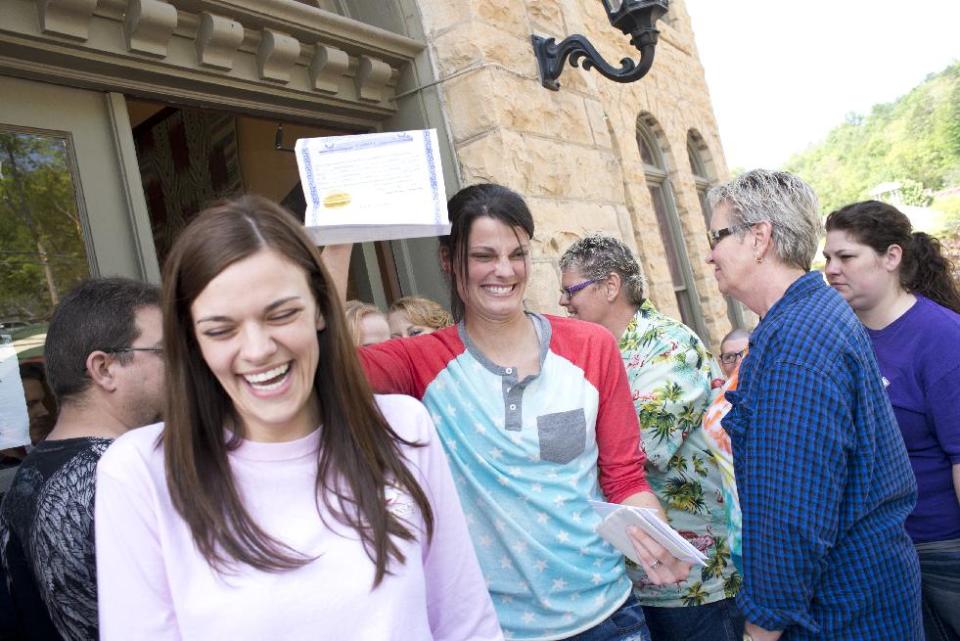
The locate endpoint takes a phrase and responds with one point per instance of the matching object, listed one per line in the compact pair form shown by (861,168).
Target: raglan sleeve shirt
(621,457)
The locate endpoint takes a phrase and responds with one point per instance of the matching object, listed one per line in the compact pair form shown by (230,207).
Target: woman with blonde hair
(413,315)
(282,499)
(368,325)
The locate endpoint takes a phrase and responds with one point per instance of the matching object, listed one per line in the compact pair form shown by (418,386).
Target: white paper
(366,187)
(14,422)
(617,519)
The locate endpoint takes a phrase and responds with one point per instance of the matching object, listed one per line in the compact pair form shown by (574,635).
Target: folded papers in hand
(617,519)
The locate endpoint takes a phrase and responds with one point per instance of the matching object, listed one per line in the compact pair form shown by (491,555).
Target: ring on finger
(656,564)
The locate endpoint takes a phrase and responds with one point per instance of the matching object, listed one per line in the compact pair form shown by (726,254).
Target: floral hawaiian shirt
(672,376)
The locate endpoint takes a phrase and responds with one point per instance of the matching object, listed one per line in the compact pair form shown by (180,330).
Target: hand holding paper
(619,520)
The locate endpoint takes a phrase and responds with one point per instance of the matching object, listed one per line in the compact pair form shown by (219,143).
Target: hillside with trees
(914,141)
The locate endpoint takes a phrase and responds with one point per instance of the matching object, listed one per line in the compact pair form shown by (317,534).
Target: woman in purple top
(900,286)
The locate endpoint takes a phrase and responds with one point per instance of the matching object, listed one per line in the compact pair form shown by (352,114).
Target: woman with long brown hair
(281,499)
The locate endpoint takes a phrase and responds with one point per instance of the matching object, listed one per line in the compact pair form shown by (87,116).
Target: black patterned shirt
(46,540)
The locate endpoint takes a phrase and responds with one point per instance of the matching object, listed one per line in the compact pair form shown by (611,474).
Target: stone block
(598,123)
(469,105)
(476,43)
(543,287)
(546,16)
(525,106)
(509,16)
(440,15)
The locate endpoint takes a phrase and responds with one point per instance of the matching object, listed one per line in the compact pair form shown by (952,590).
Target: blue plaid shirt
(824,480)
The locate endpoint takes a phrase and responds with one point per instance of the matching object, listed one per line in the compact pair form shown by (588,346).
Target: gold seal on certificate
(336,199)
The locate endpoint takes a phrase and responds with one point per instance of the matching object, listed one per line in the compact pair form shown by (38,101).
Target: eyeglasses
(124,350)
(573,289)
(714,236)
(729,358)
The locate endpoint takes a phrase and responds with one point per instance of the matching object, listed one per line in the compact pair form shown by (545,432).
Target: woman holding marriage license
(536,417)
(282,499)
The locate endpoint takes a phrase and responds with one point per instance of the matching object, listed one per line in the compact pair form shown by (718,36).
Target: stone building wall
(573,154)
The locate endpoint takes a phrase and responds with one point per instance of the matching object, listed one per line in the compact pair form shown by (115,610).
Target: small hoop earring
(759,259)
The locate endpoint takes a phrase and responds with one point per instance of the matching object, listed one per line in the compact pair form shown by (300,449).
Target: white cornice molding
(148,26)
(70,18)
(276,55)
(272,55)
(372,78)
(327,68)
(218,39)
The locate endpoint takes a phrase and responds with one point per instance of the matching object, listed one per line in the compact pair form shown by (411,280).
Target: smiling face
(256,324)
(861,275)
(497,267)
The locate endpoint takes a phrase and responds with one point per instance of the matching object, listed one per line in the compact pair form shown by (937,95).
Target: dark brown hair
(468,204)
(359,453)
(923,269)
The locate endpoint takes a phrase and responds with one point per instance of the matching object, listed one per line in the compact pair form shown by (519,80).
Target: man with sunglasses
(104,364)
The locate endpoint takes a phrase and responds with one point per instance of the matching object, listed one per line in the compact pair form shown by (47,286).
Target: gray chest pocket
(563,436)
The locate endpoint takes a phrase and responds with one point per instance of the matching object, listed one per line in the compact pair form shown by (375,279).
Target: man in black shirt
(104,364)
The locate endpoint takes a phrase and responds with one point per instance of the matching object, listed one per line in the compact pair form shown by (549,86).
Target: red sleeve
(389,368)
(409,365)
(621,456)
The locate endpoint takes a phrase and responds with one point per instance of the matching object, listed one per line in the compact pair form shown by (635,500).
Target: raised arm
(336,258)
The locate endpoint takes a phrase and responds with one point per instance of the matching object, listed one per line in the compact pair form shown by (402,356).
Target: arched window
(704,177)
(656,171)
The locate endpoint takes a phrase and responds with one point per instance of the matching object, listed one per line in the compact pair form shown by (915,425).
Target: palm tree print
(684,494)
(732,585)
(699,465)
(670,374)
(695,594)
(719,558)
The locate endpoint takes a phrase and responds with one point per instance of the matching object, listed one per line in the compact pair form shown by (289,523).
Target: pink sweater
(153,584)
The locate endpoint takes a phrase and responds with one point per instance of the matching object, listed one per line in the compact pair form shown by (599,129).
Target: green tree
(41,241)
(914,140)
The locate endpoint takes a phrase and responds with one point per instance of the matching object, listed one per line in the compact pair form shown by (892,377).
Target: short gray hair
(785,201)
(597,256)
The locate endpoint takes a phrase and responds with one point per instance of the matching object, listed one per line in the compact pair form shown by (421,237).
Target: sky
(783,73)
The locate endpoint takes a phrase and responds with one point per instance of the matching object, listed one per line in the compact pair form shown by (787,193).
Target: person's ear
(892,258)
(612,285)
(101,368)
(762,234)
(321,322)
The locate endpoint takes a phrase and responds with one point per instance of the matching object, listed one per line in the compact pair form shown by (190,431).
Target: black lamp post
(635,18)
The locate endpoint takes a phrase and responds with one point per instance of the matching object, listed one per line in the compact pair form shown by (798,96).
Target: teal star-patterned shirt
(671,375)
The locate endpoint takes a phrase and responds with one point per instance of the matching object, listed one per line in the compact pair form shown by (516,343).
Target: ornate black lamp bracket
(551,57)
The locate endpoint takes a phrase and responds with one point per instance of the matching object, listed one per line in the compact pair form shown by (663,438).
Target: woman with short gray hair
(781,199)
(824,481)
(671,377)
